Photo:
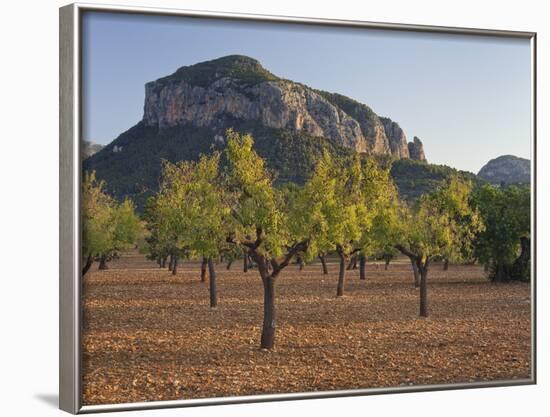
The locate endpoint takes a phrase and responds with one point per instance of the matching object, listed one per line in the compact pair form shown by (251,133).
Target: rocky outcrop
(396,138)
(89,148)
(276,104)
(216,94)
(416,150)
(507,169)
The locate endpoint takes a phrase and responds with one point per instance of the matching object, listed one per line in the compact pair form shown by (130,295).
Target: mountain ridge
(187,113)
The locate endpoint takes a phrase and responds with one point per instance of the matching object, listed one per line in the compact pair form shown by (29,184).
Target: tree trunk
(387,264)
(204,264)
(268,329)
(103,263)
(341,276)
(163,262)
(501,272)
(171,262)
(446,265)
(324,264)
(212,279)
(301,263)
(520,268)
(352,263)
(88,264)
(423,269)
(362,265)
(416,273)
(245,261)
(228,267)
(175,264)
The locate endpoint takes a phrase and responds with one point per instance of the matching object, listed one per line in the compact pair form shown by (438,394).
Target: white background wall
(29,205)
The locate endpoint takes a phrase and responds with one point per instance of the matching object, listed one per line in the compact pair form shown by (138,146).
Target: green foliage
(108,227)
(134,172)
(441,224)
(506,213)
(189,213)
(383,204)
(243,69)
(336,208)
(160,242)
(257,208)
(416,178)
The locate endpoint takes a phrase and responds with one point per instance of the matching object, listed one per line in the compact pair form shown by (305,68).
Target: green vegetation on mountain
(242,68)
(415,178)
(134,169)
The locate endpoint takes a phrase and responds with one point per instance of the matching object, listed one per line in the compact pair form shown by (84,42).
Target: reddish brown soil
(151,336)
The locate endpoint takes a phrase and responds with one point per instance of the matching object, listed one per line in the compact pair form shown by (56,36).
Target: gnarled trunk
(175,264)
(203,269)
(301,263)
(228,267)
(352,263)
(212,282)
(245,261)
(416,273)
(500,271)
(520,268)
(163,264)
(268,328)
(423,269)
(88,264)
(362,265)
(103,263)
(341,275)
(387,263)
(171,262)
(446,264)
(323,264)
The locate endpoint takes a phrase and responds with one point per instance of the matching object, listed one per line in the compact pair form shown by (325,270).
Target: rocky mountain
(90,148)
(188,112)
(214,94)
(507,169)
(416,150)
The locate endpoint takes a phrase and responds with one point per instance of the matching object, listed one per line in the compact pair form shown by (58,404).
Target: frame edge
(69,206)
(69,380)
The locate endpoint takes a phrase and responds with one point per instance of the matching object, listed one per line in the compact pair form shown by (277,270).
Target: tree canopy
(506,213)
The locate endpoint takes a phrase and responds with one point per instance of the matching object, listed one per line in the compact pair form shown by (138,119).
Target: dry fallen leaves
(151,336)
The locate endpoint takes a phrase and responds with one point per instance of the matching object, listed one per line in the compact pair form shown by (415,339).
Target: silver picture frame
(70,307)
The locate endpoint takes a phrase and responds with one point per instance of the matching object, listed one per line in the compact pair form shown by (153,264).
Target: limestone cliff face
(277,104)
(217,93)
(416,150)
(396,137)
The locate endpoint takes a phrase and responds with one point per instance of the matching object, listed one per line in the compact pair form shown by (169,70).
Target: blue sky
(466,97)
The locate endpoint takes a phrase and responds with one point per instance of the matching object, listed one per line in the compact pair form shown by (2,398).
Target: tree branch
(405,251)
(298,247)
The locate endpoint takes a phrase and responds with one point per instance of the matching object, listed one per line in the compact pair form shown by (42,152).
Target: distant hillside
(507,169)
(414,178)
(90,148)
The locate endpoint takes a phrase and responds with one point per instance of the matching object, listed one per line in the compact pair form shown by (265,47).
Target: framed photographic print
(259,208)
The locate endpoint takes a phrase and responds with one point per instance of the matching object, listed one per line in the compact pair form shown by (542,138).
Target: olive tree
(261,222)
(440,224)
(504,245)
(108,226)
(337,208)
